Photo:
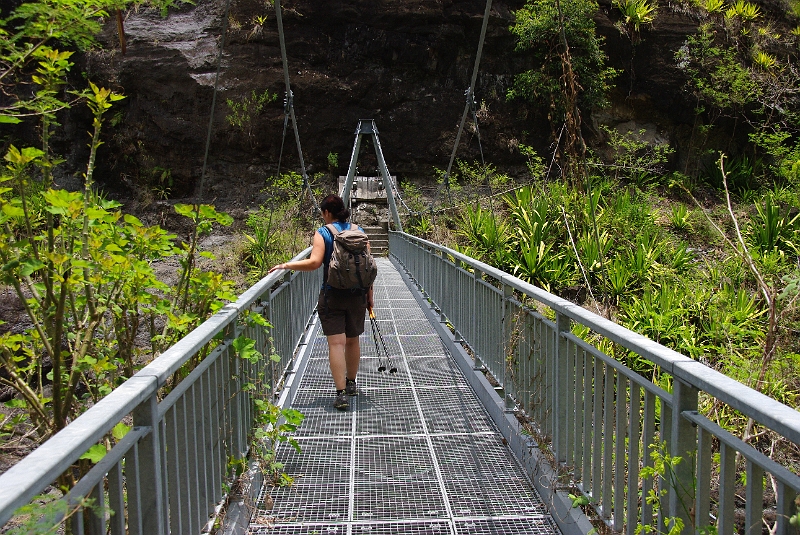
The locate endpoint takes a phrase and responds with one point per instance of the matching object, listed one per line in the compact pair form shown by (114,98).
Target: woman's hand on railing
(279,266)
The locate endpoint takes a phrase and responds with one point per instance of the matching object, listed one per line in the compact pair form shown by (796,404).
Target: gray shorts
(341,311)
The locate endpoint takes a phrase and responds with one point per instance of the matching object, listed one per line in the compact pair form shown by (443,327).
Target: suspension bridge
(500,418)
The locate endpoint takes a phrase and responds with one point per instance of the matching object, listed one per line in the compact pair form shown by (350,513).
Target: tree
(539,33)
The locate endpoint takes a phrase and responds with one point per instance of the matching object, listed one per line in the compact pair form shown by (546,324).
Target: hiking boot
(341,402)
(350,388)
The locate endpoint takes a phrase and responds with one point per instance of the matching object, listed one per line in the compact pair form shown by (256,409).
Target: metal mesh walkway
(415,454)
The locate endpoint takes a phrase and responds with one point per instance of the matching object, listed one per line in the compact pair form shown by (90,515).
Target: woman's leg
(352,355)
(336,356)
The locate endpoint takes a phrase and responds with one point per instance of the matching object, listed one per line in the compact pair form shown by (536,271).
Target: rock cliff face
(404,63)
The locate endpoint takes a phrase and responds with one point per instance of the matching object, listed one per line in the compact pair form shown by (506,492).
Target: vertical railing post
(560,390)
(474,337)
(505,332)
(683,443)
(150,491)
(270,367)
(235,390)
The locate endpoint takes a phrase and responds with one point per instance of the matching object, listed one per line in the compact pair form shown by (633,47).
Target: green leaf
(60,198)
(7,119)
(95,453)
(24,156)
(293,417)
(577,501)
(258,319)
(132,220)
(93,212)
(185,210)
(16,404)
(13,211)
(30,266)
(14,264)
(120,430)
(246,348)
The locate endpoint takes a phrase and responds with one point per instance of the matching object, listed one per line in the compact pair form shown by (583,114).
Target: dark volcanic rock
(404,63)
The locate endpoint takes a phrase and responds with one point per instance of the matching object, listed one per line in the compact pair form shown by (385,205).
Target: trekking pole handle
(371,313)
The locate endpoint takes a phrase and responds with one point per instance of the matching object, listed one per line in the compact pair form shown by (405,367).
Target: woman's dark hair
(335,205)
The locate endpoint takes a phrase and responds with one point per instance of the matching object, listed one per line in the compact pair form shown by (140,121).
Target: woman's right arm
(314,261)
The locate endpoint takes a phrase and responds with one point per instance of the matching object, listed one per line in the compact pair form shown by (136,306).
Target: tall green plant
(775,228)
(488,235)
(538,33)
(82,271)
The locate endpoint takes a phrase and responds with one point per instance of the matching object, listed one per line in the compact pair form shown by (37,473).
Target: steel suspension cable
(213,101)
(469,95)
(290,101)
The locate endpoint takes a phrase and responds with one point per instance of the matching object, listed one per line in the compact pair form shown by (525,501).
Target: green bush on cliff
(539,34)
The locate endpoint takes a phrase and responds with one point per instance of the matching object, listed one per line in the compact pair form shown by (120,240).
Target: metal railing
(167,474)
(598,418)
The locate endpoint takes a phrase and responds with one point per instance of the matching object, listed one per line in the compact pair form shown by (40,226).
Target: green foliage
(333,160)
(717,74)
(765,61)
(161,184)
(268,239)
(537,30)
(635,159)
(578,500)
(774,229)
(32,34)
(535,163)
(783,152)
(743,10)
(47,513)
(635,14)
(475,178)
(740,175)
(714,6)
(662,473)
(275,426)
(679,217)
(272,424)
(83,271)
(660,314)
(487,234)
(163,6)
(276,231)
(244,110)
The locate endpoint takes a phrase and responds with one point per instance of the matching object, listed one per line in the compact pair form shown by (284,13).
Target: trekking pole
(381,365)
(376,335)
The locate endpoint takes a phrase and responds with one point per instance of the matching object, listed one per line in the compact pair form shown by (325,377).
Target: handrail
(41,467)
(598,418)
(748,401)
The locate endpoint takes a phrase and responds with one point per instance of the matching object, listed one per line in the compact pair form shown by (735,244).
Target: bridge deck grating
(416,453)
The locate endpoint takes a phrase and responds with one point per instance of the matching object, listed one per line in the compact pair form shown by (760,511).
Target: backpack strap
(333,231)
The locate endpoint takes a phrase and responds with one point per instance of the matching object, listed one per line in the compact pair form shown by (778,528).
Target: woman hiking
(341,312)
